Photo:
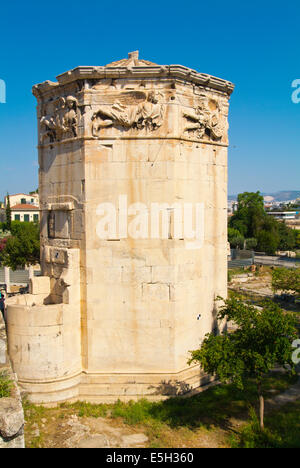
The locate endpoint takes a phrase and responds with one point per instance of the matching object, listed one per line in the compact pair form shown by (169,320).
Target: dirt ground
(258,283)
(62,429)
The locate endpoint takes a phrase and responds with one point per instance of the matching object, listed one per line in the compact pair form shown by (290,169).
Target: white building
(24,207)
(23,199)
(24,212)
(284,215)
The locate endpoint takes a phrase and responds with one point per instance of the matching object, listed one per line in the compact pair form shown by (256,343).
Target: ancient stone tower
(133,190)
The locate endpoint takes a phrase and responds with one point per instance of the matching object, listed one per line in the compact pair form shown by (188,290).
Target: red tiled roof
(27,194)
(24,207)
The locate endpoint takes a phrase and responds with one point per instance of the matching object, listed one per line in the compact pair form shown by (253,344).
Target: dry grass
(209,419)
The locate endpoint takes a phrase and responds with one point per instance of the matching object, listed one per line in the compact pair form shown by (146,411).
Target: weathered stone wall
(44,343)
(11,410)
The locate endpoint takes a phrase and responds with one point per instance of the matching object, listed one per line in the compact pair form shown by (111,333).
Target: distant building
(268,200)
(23,199)
(272,204)
(24,207)
(25,212)
(232,207)
(284,215)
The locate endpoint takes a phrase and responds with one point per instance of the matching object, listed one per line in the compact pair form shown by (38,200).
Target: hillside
(283,195)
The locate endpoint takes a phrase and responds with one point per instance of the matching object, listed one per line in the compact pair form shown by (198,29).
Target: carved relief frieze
(140,110)
(60,120)
(207,120)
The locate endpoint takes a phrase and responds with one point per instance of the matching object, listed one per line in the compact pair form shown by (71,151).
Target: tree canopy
(8,213)
(22,247)
(251,221)
(286,280)
(263,339)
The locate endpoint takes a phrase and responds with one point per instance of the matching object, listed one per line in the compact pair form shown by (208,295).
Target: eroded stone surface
(11,411)
(98,433)
(11,417)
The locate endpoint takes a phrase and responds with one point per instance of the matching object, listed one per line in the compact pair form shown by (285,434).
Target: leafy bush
(283,429)
(251,243)
(235,238)
(267,242)
(23,247)
(286,280)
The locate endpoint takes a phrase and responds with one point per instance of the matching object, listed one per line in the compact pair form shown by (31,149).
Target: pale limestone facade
(115,318)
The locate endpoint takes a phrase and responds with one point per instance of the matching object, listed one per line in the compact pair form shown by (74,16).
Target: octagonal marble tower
(133,163)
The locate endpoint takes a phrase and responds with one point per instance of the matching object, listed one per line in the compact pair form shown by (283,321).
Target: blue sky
(254,44)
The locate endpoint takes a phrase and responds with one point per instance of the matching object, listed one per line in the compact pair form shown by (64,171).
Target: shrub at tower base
(262,340)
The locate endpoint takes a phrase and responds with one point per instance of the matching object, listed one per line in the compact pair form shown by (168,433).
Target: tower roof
(134,67)
(133,60)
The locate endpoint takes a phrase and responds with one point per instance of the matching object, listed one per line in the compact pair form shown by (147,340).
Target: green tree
(251,243)
(253,222)
(239,225)
(23,246)
(250,214)
(237,242)
(286,280)
(287,237)
(8,213)
(235,238)
(297,235)
(267,242)
(263,339)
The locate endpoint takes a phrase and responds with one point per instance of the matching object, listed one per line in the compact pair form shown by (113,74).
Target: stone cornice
(136,137)
(39,89)
(137,72)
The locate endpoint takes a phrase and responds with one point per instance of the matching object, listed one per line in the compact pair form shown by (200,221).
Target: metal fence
(240,263)
(277,261)
(18,276)
(285,262)
(241,258)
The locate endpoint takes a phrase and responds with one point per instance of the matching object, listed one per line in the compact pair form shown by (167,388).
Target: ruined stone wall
(45,347)
(11,411)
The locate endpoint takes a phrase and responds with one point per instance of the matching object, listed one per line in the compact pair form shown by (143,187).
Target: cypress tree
(8,214)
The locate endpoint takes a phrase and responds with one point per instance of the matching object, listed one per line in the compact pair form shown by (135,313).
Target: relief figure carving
(138,110)
(62,123)
(206,119)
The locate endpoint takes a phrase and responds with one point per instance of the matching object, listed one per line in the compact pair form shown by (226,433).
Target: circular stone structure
(133,193)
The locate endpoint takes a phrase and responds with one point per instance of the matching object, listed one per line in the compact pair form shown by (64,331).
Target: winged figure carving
(133,109)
